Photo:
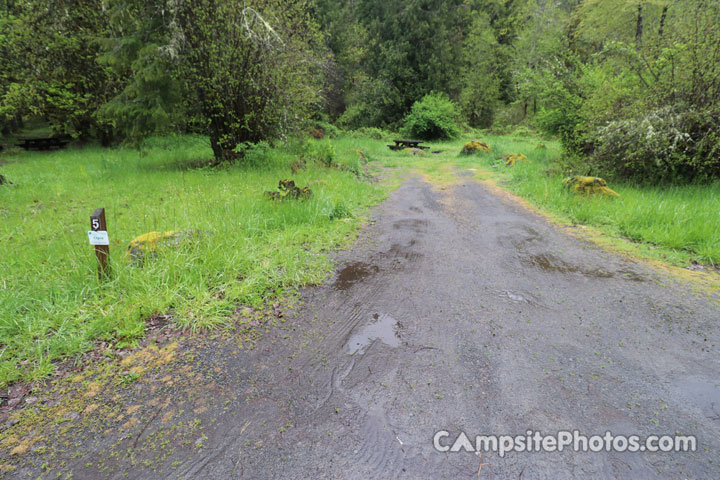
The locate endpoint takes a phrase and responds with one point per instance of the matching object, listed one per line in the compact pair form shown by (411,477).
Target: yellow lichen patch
(92,389)
(9,441)
(512,159)
(130,423)
(475,147)
(20,449)
(149,242)
(24,445)
(168,416)
(151,357)
(90,408)
(200,410)
(589,186)
(133,409)
(414,151)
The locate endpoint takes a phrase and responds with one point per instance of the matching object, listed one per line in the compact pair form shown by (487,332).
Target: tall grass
(251,248)
(680,218)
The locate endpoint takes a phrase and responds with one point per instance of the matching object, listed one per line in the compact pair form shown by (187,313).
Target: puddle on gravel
(350,274)
(551,263)
(705,394)
(384,328)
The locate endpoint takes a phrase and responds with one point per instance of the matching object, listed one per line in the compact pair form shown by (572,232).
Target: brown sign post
(102,248)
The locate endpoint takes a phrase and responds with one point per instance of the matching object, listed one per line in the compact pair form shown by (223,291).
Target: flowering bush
(669,144)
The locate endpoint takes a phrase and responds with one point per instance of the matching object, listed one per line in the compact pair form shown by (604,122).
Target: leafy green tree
(636,95)
(481,74)
(140,49)
(249,72)
(51,48)
(463,48)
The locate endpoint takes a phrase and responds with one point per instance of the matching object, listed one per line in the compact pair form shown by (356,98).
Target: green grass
(51,304)
(684,222)
(252,249)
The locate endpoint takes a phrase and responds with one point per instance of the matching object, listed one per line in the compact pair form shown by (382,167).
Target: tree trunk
(639,27)
(662,21)
(216,148)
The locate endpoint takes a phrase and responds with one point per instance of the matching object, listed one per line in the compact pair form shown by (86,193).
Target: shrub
(253,155)
(324,152)
(435,117)
(322,129)
(670,144)
(370,132)
(338,211)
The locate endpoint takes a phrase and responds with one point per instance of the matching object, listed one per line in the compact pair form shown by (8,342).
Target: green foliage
(323,152)
(435,117)
(672,144)
(638,96)
(370,132)
(251,251)
(339,210)
(256,155)
(141,51)
(49,50)
(325,128)
(249,72)
(481,85)
(389,54)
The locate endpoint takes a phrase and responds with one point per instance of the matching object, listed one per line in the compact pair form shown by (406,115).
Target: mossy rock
(475,146)
(513,158)
(288,189)
(297,166)
(4,180)
(414,151)
(589,186)
(149,243)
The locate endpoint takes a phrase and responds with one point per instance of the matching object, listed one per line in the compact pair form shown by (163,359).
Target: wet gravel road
(460,310)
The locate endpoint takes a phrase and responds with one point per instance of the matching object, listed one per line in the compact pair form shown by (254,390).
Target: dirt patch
(348,275)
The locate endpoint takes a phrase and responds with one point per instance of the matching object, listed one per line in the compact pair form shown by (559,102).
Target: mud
(350,274)
(383,328)
(456,310)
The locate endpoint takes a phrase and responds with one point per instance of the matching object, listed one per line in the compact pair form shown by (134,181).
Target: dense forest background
(631,87)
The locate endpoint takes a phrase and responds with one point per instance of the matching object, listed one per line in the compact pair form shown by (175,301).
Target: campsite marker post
(98,236)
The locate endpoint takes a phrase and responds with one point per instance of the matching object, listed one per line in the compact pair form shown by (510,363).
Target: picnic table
(403,144)
(39,143)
